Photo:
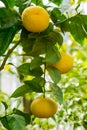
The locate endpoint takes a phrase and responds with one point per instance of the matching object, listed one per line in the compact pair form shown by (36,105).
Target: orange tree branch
(8,54)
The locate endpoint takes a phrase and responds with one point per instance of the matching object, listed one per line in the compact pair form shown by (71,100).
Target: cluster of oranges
(36,19)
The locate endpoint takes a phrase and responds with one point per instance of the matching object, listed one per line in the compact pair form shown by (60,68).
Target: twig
(8,54)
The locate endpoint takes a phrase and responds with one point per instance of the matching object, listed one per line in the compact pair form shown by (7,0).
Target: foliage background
(71,89)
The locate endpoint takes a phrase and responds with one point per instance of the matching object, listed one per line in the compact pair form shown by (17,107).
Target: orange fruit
(35,19)
(65,63)
(43,107)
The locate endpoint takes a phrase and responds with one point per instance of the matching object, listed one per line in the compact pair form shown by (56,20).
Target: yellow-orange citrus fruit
(43,107)
(35,19)
(65,64)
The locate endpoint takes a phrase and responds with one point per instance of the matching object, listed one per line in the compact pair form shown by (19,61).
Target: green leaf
(25,115)
(83,19)
(34,85)
(48,30)
(57,16)
(52,55)
(57,93)
(13,122)
(5,104)
(4,121)
(6,37)
(22,4)
(27,43)
(57,2)
(55,36)
(38,2)
(35,44)
(54,74)
(8,18)
(20,91)
(36,62)
(39,47)
(25,69)
(9,3)
(77,26)
(41,44)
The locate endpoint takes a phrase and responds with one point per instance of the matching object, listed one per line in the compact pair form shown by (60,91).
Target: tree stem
(44,80)
(8,54)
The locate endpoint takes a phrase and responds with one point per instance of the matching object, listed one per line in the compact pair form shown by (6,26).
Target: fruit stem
(37,2)
(44,79)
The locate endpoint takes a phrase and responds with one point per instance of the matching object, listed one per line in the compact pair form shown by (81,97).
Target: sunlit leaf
(54,74)
(8,18)
(25,69)
(27,43)
(57,2)
(9,3)
(52,55)
(6,37)
(23,114)
(56,37)
(57,93)
(5,104)
(22,4)
(77,26)
(13,122)
(36,62)
(57,16)
(5,122)
(35,85)
(37,2)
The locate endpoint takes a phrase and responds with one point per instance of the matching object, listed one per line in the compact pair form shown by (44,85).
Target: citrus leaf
(25,69)
(36,62)
(57,16)
(52,55)
(55,36)
(57,2)
(23,114)
(54,74)
(57,93)
(22,4)
(15,122)
(48,30)
(20,91)
(5,104)
(6,37)
(26,43)
(38,47)
(83,21)
(34,85)
(76,26)
(5,122)
(41,44)
(35,44)
(8,18)
(9,3)
(38,2)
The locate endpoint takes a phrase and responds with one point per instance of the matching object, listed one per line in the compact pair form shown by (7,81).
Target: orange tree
(40,47)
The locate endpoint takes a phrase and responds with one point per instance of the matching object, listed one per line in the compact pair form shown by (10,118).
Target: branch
(8,54)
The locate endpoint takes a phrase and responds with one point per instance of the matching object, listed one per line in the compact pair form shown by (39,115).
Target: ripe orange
(35,19)
(43,107)
(65,64)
